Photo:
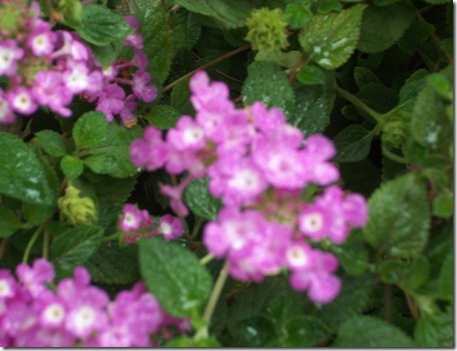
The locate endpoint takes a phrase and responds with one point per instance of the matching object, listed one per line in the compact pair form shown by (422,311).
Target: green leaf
(311,75)
(313,107)
(112,264)
(100,26)
(366,331)
(298,15)
(399,217)
(9,223)
(303,331)
(362,177)
(52,143)
(74,246)
(364,76)
(331,39)
(22,176)
(446,277)
(353,144)
(407,275)
(229,14)
(443,204)
(383,26)
(163,116)
(36,213)
(352,254)
(180,97)
(174,275)
(353,299)
(430,125)
(115,147)
(435,330)
(71,166)
(327,6)
(89,129)
(255,331)
(266,82)
(417,33)
(107,54)
(102,163)
(200,201)
(157,34)
(192,342)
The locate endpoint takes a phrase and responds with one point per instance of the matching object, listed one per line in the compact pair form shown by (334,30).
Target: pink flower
(6,113)
(187,135)
(22,101)
(10,54)
(140,86)
(170,227)
(33,277)
(49,90)
(41,40)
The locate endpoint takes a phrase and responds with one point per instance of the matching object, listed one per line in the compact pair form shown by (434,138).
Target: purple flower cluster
(136,224)
(277,188)
(48,68)
(75,313)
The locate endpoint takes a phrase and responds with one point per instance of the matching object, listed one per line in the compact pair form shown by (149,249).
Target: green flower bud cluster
(267,30)
(394,133)
(76,209)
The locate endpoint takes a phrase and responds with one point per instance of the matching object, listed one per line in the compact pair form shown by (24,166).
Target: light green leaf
(311,75)
(71,166)
(22,176)
(52,143)
(229,14)
(298,15)
(446,277)
(157,36)
(200,201)
(266,82)
(313,107)
(352,144)
(331,39)
(399,217)
(74,246)
(174,275)
(102,163)
(383,26)
(89,129)
(101,26)
(9,223)
(366,331)
(435,330)
(115,147)
(443,204)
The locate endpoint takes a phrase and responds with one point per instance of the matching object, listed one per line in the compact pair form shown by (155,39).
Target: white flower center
(22,101)
(6,58)
(193,135)
(165,228)
(84,317)
(54,313)
(5,288)
(40,42)
(312,222)
(244,180)
(297,257)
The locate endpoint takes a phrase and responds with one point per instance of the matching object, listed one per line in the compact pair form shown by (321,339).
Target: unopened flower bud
(76,209)
(394,133)
(267,30)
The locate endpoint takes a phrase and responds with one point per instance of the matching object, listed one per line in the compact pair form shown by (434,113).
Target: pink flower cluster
(136,224)
(277,188)
(48,68)
(76,313)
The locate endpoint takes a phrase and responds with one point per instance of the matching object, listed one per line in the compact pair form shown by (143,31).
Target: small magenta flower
(140,86)
(6,113)
(41,40)
(22,101)
(9,56)
(187,135)
(133,219)
(8,285)
(170,227)
(49,90)
(33,277)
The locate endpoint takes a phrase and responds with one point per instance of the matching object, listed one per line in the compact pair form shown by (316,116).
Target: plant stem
(394,157)
(211,306)
(115,236)
(45,253)
(30,244)
(196,229)
(412,306)
(359,103)
(3,246)
(387,303)
(207,65)
(206,259)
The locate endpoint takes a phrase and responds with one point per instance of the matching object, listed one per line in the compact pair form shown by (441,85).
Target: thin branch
(207,65)
(211,306)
